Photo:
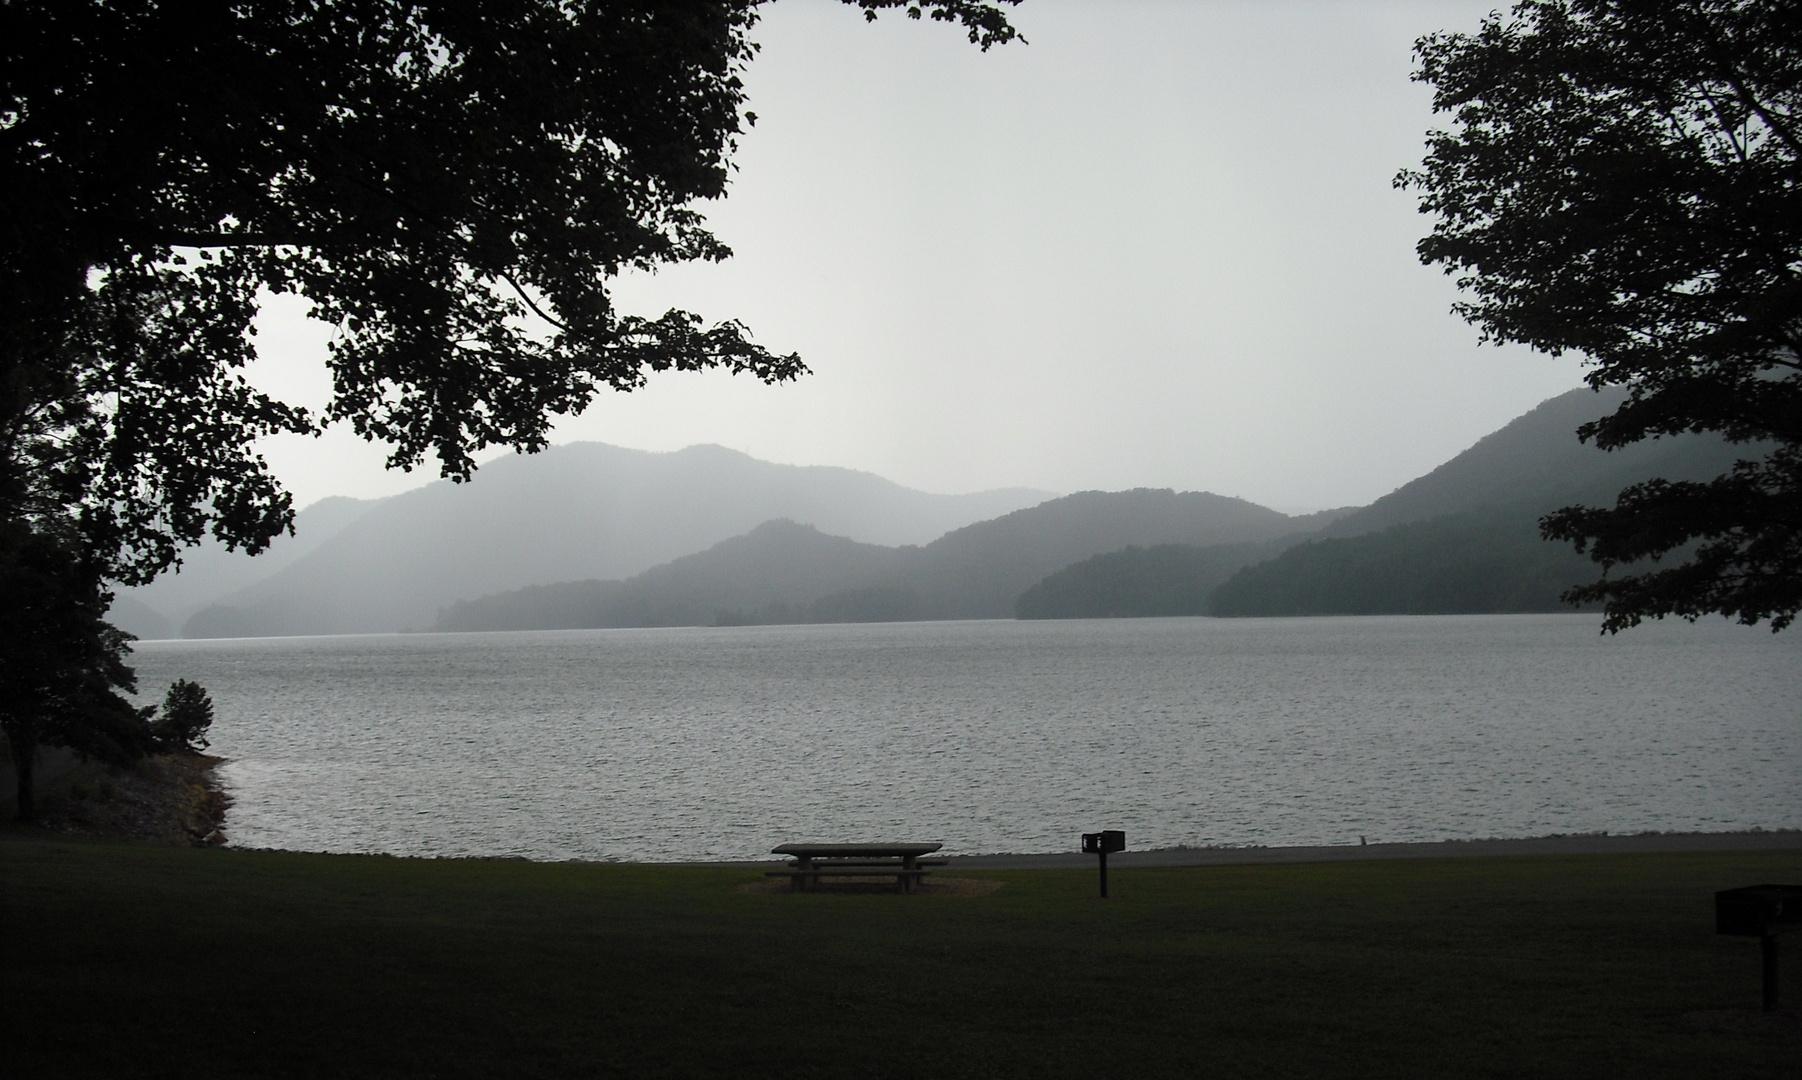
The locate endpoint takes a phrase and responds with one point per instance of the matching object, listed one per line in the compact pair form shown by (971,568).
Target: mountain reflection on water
(703,743)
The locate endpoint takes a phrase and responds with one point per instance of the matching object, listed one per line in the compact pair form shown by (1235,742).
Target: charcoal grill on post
(1100,843)
(1763,912)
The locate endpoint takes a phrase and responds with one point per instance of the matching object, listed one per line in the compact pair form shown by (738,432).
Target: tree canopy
(63,674)
(187,713)
(450,185)
(1624,181)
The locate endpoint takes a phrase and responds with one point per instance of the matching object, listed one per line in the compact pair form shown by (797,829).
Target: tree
(1625,181)
(187,715)
(62,666)
(451,185)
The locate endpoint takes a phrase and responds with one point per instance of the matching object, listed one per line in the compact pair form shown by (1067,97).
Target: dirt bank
(167,799)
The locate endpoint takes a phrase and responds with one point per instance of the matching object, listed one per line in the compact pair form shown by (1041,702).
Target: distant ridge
(1463,539)
(1535,462)
(708,535)
(770,574)
(209,572)
(977,572)
(1483,562)
(783,572)
(577,511)
(1142,582)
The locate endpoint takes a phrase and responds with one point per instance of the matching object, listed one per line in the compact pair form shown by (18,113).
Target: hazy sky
(1157,246)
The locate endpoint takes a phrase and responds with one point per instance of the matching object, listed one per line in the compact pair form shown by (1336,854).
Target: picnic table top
(853,851)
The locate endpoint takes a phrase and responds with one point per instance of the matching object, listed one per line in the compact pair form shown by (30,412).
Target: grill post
(1769,949)
(1763,912)
(1100,843)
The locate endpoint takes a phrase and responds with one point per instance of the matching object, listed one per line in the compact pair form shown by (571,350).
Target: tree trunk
(25,758)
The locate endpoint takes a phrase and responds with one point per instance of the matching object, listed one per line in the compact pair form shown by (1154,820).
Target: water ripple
(702,743)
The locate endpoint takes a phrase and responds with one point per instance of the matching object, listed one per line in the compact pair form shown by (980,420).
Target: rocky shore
(167,799)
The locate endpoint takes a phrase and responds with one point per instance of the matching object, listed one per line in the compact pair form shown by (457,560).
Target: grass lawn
(150,961)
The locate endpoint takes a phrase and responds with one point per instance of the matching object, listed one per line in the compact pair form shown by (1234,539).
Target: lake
(717,743)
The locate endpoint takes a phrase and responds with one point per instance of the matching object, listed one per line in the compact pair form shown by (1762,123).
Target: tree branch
(508,278)
(1750,101)
(226,240)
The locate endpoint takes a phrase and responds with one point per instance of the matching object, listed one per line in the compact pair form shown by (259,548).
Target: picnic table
(815,861)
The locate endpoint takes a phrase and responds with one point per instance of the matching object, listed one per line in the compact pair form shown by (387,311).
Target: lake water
(702,743)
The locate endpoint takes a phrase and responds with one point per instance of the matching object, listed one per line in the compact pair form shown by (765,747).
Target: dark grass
(143,961)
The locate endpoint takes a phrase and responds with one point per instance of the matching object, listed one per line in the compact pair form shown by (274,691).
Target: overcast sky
(1157,246)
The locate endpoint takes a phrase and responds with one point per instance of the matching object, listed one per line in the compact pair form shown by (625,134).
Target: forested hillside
(1535,461)
(1481,562)
(978,572)
(774,573)
(1462,539)
(782,572)
(1168,579)
(580,511)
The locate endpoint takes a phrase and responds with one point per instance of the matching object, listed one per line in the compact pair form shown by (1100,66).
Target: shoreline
(161,799)
(177,799)
(1555,844)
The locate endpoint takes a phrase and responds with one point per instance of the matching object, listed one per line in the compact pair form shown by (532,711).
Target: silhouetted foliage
(62,665)
(187,715)
(450,185)
(1625,180)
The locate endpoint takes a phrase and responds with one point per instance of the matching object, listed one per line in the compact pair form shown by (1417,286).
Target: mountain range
(210,571)
(1535,463)
(1464,538)
(581,536)
(787,572)
(581,510)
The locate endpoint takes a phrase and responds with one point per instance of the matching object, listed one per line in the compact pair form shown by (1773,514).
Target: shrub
(187,714)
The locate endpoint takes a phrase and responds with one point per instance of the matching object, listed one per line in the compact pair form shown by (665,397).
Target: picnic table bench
(815,861)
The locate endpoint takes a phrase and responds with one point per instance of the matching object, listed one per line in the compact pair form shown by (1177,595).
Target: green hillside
(1169,579)
(782,572)
(1536,461)
(979,571)
(1462,564)
(773,574)
(1463,539)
